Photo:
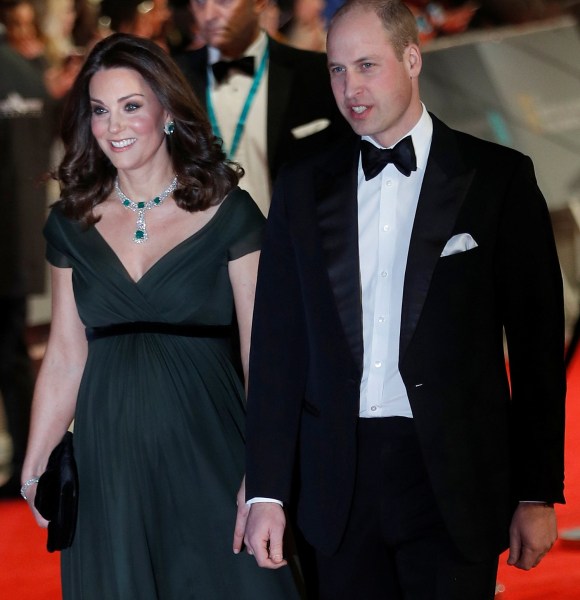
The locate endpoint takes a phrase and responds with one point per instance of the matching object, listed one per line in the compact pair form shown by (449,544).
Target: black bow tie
(222,67)
(374,159)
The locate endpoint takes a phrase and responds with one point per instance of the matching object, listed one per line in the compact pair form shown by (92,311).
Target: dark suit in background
(298,94)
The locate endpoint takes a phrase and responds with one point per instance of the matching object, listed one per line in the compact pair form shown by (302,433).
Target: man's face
(375,91)
(228,25)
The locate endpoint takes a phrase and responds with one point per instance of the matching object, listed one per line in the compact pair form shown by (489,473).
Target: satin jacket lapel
(337,214)
(280,78)
(445,186)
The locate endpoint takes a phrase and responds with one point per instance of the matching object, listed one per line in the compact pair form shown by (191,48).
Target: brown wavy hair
(87,176)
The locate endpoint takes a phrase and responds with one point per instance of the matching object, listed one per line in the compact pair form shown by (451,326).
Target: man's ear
(413,60)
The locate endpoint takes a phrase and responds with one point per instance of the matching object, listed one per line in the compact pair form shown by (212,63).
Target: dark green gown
(159,425)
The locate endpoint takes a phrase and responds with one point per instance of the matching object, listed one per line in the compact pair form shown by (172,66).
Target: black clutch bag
(57,495)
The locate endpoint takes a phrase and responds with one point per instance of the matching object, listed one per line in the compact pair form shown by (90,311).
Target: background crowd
(54,34)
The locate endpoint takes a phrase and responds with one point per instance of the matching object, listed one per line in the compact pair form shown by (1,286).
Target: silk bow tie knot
(402,155)
(221,68)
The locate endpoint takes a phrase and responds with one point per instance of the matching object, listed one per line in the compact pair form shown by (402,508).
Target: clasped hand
(261,528)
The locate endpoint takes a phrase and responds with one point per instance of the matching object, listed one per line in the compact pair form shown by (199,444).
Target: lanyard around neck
(245,110)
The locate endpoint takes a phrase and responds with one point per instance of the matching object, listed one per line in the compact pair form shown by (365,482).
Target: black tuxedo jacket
(485,445)
(299,93)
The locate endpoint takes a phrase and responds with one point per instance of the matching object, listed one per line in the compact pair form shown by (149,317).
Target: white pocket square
(307,129)
(459,243)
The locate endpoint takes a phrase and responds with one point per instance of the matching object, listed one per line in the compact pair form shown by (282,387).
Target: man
(25,126)
(273,106)
(377,367)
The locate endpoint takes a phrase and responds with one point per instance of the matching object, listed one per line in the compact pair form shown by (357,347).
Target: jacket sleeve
(531,284)
(278,359)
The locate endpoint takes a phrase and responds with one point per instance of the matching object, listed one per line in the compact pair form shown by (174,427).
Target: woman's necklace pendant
(141,231)
(141,235)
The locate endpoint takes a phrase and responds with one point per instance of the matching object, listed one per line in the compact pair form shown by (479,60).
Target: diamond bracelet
(26,485)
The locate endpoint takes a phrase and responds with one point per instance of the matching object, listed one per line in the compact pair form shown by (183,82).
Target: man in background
(269,103)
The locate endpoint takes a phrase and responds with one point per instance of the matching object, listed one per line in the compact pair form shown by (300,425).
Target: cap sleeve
(55,253)
(249,222)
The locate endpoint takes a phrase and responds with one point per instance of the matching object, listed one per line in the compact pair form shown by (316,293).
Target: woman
(151,246)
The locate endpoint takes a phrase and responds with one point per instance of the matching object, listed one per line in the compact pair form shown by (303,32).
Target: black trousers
(16,376)
(396,545)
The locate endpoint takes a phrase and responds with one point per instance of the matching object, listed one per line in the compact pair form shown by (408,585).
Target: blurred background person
(22,30)
(268,102)
(148,18)
(183,33)
(271,20)
(41,32)
(25,128)
(56,19)
(86,27)
(303,25)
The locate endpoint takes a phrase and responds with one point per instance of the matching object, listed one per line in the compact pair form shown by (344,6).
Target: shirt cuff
(259,499)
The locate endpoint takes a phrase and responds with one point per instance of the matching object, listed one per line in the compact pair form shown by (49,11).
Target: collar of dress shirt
(256,49)
(422,134)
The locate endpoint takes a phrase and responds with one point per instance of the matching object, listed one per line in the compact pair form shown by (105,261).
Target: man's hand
(265,533)
(533,532)
(241,517)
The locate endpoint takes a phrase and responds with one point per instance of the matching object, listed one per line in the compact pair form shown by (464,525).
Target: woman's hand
(30,496)
(241,518)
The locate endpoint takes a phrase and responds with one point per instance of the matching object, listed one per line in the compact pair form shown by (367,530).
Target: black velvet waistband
(202,331)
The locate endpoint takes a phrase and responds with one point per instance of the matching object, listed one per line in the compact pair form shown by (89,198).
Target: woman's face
(127,120)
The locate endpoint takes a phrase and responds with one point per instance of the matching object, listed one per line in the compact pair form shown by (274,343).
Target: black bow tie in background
(222,67)
(374,159)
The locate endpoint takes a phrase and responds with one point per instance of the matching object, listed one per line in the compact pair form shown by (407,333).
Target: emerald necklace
(140,235)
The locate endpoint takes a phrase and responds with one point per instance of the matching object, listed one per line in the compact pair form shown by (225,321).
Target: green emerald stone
(156,200)
(126,202)
(139,235)
(140,204)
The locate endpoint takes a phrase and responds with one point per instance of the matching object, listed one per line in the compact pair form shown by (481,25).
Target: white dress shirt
(228,99)
(386,212)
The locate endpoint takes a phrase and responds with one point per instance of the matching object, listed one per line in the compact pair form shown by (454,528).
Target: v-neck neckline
(165,255)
